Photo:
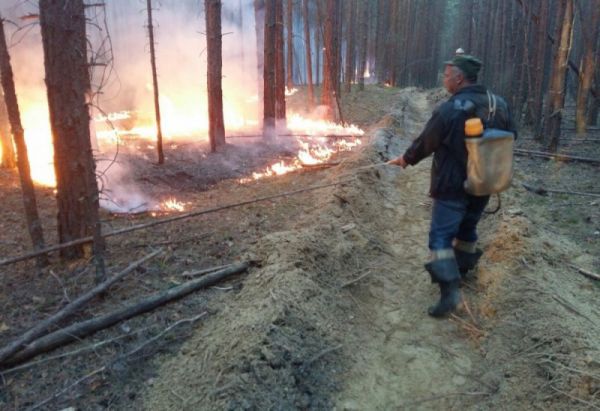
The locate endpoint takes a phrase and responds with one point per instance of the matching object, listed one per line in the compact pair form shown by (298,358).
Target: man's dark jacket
(444,136)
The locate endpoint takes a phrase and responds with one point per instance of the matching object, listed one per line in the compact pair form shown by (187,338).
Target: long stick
(587,273)
(163,221)
(543,191)
(561,157)
(68,310)
(79,330)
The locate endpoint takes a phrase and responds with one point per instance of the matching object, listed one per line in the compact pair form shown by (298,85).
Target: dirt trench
(334,315)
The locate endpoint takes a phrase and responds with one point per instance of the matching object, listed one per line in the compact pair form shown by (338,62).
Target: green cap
(467,64)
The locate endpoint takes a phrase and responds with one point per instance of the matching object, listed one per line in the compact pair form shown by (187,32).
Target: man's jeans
(452,219)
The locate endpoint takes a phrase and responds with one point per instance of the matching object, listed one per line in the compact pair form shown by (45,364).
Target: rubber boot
(445,273)
(467,261)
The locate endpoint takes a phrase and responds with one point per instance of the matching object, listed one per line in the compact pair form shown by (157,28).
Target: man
(455,214)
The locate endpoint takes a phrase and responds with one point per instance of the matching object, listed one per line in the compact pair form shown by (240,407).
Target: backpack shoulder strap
(492,105)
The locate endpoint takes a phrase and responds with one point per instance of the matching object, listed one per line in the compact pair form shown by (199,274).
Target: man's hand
(398,162)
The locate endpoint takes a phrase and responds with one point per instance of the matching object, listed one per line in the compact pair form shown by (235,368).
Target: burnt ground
(333,312)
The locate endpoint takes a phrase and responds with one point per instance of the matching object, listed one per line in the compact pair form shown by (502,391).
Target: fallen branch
(88,327)
(41,328)
(587,273)
(204,271)
(555,156)
(115,360)
(89,239)
(543,191)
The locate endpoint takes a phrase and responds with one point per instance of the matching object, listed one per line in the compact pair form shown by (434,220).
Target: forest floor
(332,313)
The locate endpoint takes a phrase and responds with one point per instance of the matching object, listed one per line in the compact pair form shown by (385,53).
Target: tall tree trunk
(216,126)
(557,82)
(350,45)
(309,78)
(34,224)
(279,66)
(159,145)
(269,101)
(328,98)
(590,28)
(259,26)
(9,160)
(363,37)
(67,77)
(540,66)
(318,44)
(290,45)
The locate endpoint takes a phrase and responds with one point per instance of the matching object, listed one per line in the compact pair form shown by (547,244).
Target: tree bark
(259,26)
(350,45)
(290,45)
(9,159)
(159,145)
(216,125)
(67,78)
(328,97)
(34,224)
(269,101)
(363,37)
(557,83)
(590,21)
(280,112)
(309,77)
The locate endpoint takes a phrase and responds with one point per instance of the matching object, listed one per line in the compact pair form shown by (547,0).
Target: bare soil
(332,315)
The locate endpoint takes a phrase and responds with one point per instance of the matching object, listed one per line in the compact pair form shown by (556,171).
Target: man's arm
(424,145)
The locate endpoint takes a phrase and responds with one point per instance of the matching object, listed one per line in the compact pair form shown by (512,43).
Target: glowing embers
(290,92)
(172,204)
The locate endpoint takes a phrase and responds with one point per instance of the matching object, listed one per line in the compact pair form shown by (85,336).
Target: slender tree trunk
(216,126)
(309,78)
(9,160)
(290,45)
(328,98)
(269,71)
(363,37)
(259,26)
(34,224)
(589,64)
(318,45)
(540,65)
(159,145)
(557,85)
(280,111)
(63,36)
(350,45)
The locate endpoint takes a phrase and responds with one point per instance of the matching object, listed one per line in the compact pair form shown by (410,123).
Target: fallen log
(203,271)
(89,239)
(82,329)
(42,328)
(543,191)
(587,273)
(555,156)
